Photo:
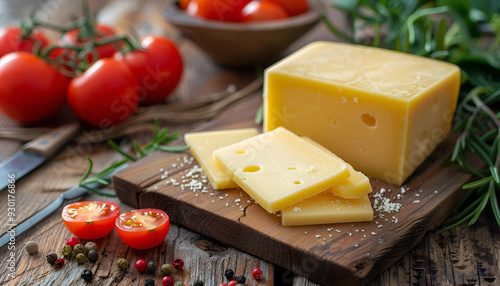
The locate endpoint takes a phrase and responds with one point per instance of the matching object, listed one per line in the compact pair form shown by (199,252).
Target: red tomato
(31,90)
(220,10)
(293,7)
(90,220)
(263,11)
(100,31)
(11,40)
(104,95)
(143,228)
(157,68)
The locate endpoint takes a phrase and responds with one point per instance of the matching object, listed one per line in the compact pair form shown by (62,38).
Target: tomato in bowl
(90,219)
(143,228)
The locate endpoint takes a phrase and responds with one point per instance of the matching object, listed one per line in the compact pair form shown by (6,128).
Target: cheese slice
(203,144)
(278,168)
(357,185)
(326,208)
(382,111)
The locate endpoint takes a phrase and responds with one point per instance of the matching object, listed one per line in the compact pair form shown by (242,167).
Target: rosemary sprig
(159,141)
(466,33)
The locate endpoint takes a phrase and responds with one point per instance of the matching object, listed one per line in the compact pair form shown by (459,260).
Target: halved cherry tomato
(11,40)
(143,228)
(294,7)
(157,68)
(220,10)
(31,90)
(90,219)
(263,11)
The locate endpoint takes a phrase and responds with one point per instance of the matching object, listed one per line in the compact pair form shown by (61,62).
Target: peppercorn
(93,255)
(72,241)
(31,247)
(122,263)
(78,249)
(167,269)
(51,258)
(90,246)
(229,273)
(178,264)
(198,283)
(232,283)
(59,263)
(141,265)
(81,258)
(257,274)
(149,282)
(87,275)
(168,281)
(67,250)
(151,267)
(240,279)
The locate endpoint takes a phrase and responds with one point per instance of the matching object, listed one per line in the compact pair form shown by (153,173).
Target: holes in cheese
(203,144)
(251,169)
(275,186)
(368,119)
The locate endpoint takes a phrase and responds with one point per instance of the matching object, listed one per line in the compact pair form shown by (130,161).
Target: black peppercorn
(151,267)
(229,273)
(149,282)
(240,279)
(51,258)
(198,283)
(87,275)
(93,256)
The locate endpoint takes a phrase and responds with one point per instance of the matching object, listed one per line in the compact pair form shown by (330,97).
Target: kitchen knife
(35,152)
(75,192)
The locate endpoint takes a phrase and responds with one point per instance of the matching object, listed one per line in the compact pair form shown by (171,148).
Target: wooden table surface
(463,256)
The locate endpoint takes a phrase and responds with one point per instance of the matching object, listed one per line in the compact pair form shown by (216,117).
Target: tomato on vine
(157,67)
(105,94)
(88,34)
(31,90)
(13,40)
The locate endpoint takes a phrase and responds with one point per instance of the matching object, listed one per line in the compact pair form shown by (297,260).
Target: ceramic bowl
(243,44)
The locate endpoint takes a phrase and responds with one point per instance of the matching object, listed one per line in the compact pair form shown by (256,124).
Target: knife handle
(46,145)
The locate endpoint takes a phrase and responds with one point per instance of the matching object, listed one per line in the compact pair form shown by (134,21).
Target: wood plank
(341,253)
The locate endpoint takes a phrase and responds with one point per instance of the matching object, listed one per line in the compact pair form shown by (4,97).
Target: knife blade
(75,192)
(35,152)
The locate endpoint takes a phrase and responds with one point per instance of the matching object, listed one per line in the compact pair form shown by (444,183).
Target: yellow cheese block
(278,168)
(357,185)
(203,144)
(382,111)
(327,208)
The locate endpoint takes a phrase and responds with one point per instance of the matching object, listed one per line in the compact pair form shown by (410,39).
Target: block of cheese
(203,144)
(327,208)
(382,111)
(278,168)
(357,185)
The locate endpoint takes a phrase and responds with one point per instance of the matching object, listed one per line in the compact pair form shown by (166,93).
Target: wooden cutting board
(336,254)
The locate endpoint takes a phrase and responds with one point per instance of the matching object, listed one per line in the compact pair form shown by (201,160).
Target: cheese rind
(355,186)
(382,111)
(326,208)
(278,168)
(203,144)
